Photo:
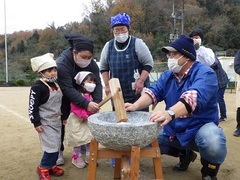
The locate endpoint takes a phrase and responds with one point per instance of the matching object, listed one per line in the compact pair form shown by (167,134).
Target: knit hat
(81,76)
(197,32)
(122,19)
(184,45)
(79,42)
(43,62)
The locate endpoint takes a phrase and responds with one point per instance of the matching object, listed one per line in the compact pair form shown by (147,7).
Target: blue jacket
(200,78)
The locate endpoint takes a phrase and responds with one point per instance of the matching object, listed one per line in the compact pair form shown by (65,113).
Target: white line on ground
(14,113)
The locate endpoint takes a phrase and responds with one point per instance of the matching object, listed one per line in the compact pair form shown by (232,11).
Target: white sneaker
(60,160)
(79,163)
(87,160)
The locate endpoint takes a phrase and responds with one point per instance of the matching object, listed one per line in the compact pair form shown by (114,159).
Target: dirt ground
(20,152)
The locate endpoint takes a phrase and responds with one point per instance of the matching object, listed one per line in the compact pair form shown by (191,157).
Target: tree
(21,47)
(34,39)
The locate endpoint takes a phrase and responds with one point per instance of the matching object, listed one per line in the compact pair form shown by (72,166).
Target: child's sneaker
(87,160)
(222,119)
(43,173)
(60,160)
(78,161)
(56,171)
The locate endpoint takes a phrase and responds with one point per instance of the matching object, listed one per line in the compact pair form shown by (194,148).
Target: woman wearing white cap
(45,101)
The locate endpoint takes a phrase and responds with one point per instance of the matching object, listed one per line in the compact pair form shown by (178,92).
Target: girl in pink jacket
(77,131)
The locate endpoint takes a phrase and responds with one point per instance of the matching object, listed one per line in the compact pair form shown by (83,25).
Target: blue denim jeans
(209,141)
(49,160)
(221,102)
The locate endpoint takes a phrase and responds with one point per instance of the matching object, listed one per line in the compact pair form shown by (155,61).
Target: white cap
(80,76)
(43,62)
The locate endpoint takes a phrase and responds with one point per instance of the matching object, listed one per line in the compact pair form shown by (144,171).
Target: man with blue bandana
(127,58)
(190,121)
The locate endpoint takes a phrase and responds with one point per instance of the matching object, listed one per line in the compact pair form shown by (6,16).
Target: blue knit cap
(184,45)
(122,19)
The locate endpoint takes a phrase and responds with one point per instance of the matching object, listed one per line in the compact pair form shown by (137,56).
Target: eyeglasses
(119,30)
(171,54)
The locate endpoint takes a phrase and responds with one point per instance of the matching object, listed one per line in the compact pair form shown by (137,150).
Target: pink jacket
(79,111)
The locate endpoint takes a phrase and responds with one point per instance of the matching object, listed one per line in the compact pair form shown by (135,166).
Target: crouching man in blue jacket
(190,121)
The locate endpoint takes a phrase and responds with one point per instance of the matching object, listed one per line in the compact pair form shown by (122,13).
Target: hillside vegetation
(151,20)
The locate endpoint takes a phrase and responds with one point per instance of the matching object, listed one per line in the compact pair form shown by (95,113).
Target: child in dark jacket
(45,113)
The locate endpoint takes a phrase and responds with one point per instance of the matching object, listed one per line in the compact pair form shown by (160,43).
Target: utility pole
(177,17)
(6,52)
(174,34)
(182,16)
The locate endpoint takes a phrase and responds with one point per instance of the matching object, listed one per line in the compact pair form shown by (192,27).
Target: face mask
(199,41)
(89,87)
(49,79)
(121,38)
(173,65)
(82,63)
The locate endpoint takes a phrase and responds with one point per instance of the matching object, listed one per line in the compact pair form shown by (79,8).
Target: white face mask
(199,41)
(82,63)
(89,87)
(49,79)
(173,65)
(121,38)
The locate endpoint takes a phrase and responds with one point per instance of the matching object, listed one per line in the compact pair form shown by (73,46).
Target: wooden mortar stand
(123,170)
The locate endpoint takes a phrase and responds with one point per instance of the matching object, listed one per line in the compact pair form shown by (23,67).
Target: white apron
(50,113)
(77,132)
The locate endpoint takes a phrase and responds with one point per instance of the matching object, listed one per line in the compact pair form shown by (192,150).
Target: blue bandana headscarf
(122,19)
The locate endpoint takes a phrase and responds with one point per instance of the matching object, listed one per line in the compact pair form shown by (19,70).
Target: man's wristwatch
(171,113)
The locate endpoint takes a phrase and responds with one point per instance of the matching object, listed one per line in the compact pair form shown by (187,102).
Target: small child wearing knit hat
(77,132)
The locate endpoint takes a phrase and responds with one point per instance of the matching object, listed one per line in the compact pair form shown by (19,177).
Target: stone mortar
(137,131)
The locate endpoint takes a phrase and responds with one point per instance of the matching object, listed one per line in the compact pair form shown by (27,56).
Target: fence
(159,67)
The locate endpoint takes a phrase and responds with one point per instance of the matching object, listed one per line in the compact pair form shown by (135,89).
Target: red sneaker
(43,173)
(56,171)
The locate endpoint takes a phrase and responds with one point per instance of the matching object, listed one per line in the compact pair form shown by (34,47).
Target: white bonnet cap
(80,76)
(43,62)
